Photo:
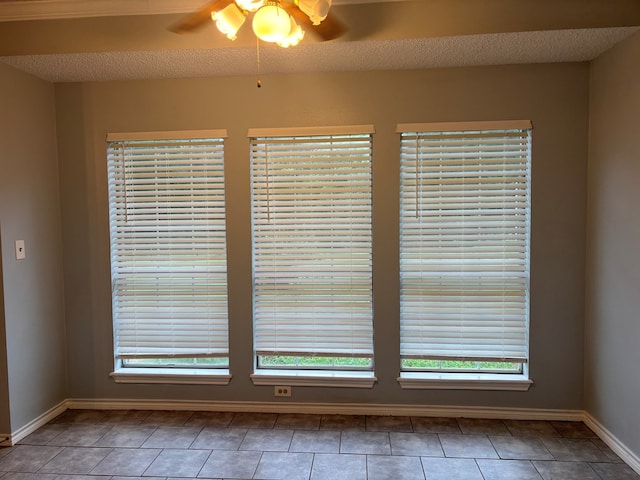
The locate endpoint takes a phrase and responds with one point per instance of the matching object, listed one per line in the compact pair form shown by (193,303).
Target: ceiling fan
(275,21)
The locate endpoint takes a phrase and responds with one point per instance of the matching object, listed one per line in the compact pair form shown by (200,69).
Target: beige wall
(554,97)
(5,417)
(613,255)
(557,98)
(35,346)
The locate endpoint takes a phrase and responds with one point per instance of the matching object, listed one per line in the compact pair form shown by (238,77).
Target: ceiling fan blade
(199,18)
(329,29)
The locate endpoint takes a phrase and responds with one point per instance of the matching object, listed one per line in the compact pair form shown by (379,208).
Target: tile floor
(161,445)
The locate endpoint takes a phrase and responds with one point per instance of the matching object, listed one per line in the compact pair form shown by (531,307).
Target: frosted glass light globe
(250,5)
(229,20)
(271,23)
(295,35)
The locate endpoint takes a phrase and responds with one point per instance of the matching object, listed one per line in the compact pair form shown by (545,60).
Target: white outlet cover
(21,254)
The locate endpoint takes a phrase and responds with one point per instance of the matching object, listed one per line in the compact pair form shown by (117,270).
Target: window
(311,199)
(464,247)
(168,249)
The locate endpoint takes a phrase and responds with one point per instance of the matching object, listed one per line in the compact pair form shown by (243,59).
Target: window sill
(464,381)
(177,376)
(314,378)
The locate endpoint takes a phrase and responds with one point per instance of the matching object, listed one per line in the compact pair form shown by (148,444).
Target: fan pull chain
(259,82)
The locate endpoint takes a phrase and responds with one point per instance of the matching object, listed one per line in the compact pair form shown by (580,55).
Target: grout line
(599,431)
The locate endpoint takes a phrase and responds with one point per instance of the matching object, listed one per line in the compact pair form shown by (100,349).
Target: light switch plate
(21,254)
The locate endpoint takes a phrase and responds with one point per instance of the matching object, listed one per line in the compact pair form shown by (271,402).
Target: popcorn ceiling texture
(470,50)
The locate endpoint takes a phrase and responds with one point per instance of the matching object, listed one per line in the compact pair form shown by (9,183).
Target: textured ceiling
(468,50)
(102,40)
(47,9)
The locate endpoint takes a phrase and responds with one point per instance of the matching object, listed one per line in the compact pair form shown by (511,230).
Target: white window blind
(464,241)
(312,244)
(168,246)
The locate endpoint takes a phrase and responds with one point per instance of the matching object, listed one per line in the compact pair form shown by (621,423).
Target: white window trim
(314,378)
(518,382)
(462,126)
(168,135)
(311,131)
(176,376)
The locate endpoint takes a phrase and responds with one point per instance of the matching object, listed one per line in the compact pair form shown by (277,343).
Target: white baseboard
(330,408)
(36,423)
(612,442)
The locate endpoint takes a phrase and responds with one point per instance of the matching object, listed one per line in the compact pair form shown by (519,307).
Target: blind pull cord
(417,174)
(124,184)
(266,168)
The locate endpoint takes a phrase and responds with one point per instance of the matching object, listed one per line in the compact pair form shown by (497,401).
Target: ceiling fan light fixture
(283,22)
(271,23)
(316,10)
(295,36)
(229,20)
(250,5)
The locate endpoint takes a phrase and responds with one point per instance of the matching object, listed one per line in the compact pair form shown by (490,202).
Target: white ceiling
(11,10)
(459,51)
(566,45)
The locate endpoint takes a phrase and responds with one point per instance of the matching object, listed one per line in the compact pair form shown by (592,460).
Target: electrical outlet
(282,391)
